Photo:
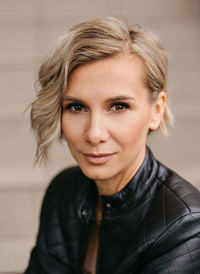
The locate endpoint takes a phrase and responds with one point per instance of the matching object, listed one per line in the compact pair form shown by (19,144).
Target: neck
(113,185)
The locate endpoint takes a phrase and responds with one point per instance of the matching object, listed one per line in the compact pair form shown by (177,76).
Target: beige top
(91,255)
(92,250)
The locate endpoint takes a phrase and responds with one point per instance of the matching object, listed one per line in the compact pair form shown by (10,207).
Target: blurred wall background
(28,30)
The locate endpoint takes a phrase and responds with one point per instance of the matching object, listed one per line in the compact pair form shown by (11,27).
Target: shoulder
(66,185)
(66,179)
(177,193)
(68,174)
(174,216)
(173,198)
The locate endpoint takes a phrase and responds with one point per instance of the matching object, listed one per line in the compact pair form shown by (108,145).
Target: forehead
(114,74)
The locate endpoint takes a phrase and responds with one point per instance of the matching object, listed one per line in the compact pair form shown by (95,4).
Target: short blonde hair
(84,43)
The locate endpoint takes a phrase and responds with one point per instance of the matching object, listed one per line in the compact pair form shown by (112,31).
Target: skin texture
(106,117)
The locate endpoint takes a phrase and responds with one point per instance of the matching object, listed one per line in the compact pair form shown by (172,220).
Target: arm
(42,263)
(49,254)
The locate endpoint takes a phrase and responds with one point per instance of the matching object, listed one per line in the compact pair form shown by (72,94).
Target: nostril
(96,132)
(96,137)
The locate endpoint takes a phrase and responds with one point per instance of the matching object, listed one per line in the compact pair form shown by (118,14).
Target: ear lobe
(158,110)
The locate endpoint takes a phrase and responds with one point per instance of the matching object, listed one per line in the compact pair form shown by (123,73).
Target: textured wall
(28,30)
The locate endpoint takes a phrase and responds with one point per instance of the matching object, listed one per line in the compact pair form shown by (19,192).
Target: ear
(158,109)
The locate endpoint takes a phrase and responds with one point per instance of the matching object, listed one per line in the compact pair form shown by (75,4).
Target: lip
(98,159)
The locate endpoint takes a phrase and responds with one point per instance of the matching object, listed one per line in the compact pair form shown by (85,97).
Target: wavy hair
(84,43)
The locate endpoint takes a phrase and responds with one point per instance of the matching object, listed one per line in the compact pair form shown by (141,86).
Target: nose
(97,131)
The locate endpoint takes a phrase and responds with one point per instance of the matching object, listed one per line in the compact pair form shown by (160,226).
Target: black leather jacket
(150,226)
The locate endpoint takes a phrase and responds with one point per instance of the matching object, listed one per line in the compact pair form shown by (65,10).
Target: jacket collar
(136,190)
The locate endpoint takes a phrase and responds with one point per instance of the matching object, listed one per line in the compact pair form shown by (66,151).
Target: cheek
(72,129)
(133,128)
(67,130)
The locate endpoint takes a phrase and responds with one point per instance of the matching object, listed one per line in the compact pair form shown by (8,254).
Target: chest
(113,247)
(116,246)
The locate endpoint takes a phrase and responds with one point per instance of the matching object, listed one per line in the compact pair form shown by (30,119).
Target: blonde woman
(104,90)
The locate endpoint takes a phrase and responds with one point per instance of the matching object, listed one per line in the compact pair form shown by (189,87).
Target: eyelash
(121,106)
(78,107)
(72,107)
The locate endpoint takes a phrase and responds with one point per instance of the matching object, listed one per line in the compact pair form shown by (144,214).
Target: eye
(119,106)
(74,107)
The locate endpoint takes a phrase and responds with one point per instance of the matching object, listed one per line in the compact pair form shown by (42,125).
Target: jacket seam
(174,193)
(171,225)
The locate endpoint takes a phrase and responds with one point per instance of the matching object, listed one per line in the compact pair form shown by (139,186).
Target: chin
(96,173)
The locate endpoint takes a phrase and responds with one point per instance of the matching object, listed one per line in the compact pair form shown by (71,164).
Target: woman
(104,89)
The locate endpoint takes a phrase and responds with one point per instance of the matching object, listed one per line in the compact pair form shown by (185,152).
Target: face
(106,116)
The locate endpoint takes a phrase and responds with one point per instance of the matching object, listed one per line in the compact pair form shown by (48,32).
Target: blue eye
(119,106)
(74,107)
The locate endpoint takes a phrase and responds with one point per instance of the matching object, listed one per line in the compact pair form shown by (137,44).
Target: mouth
(98,159)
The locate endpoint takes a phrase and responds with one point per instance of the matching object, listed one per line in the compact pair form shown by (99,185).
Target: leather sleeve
(42,263)
(44,258)
(177,249)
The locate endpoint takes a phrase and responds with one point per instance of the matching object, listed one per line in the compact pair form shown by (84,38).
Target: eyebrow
(71,98)
(119,98)
(116,98)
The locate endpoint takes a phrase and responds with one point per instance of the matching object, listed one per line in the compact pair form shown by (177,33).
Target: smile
(98,159)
